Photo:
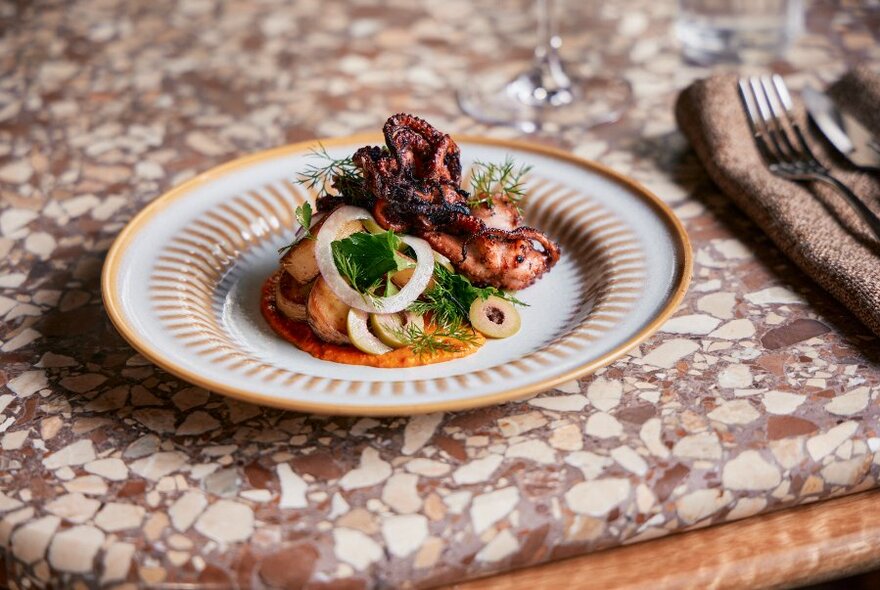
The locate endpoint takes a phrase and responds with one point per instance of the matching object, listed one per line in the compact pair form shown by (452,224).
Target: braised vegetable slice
(327,314)
(291,297)
(300,260)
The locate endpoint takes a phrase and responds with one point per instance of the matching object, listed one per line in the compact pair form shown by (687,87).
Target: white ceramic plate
(182,283)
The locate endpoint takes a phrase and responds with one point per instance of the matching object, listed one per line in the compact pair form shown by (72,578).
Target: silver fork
(782,144)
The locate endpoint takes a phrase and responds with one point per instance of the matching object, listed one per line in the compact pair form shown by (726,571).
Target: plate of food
(394,274)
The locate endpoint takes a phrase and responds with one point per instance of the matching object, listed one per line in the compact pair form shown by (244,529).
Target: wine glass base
(588,102)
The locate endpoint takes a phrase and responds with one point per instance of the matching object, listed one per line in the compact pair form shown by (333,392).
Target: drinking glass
(546,96)
(715,31)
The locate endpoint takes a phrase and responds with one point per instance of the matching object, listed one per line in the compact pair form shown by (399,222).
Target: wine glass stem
(547,62)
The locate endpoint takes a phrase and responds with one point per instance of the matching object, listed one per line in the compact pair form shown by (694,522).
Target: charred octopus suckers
(412,185)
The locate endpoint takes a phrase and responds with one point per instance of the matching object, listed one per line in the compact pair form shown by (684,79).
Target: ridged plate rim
(115,256)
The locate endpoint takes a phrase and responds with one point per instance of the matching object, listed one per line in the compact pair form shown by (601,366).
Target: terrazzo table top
(760,394)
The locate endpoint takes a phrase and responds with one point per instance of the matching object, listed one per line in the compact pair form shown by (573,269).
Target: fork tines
(782,144)
(770,113)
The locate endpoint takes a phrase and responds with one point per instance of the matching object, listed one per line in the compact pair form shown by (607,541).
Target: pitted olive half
(494,317)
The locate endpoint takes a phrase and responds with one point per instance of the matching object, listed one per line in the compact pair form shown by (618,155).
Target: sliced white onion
(360,334)
(398,302)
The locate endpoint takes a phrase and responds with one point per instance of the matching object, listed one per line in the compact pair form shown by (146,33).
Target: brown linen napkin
(858,91)
(811,223)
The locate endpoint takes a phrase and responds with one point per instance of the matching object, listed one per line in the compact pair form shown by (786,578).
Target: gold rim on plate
(116,253)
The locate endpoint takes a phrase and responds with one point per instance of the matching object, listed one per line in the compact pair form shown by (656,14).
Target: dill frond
(491,179)
(322,176)
(348,268)
(442,339)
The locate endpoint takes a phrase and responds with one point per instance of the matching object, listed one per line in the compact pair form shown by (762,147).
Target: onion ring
(327,265)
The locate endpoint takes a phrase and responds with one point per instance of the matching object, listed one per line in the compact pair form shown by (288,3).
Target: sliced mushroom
(291,297)
(300,260)
(327,315)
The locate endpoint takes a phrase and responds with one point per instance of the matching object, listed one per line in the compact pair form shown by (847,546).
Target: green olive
(391,327)
(360,334)
(494,317)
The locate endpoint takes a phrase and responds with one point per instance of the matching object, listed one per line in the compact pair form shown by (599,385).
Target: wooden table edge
(792,547)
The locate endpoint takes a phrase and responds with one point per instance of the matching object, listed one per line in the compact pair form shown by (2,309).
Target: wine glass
(547,96)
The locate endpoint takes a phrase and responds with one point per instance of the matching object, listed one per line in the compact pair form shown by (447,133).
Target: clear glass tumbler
(739,31)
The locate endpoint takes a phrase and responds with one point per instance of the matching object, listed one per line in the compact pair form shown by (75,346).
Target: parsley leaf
(303,215)
(364,259)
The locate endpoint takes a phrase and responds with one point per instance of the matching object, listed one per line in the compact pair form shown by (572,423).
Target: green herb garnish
(422,342)
(365,259)
(303,215)
(339,173)
(320,177)
(490,179)
(348,268)
(449,301)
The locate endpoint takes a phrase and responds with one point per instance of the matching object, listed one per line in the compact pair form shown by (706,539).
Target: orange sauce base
(300,334)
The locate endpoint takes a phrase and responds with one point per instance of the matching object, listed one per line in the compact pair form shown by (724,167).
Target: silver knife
(847,134)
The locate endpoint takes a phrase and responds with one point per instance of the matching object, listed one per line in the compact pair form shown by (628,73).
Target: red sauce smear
(300,334)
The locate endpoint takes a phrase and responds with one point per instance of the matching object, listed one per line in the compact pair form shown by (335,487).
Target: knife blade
(845,133)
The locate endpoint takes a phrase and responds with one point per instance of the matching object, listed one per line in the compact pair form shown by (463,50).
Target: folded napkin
(858,91)
(811,223)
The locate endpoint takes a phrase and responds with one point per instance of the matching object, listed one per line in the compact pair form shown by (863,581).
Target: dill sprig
(490,179)
(322,176)
(355,275)
(446,310)
(441,339)
(349,270)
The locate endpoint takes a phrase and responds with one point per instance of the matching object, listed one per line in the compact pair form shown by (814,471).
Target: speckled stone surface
(760,394)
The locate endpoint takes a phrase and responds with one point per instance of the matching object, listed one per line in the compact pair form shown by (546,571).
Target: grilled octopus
(412,185)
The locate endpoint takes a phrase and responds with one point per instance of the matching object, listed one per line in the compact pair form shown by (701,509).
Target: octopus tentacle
(500,212)
(414,186)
